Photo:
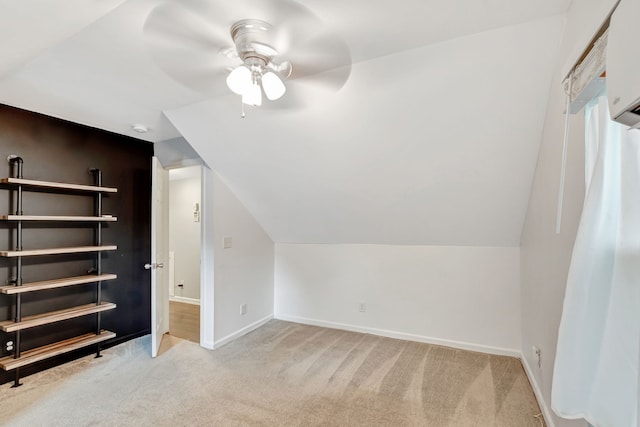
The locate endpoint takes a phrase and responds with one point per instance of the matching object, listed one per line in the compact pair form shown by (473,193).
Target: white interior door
(159,255)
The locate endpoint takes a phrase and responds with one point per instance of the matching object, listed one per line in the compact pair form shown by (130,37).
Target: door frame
(206,255)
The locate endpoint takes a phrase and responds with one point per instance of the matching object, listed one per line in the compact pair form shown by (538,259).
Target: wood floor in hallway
(184,321)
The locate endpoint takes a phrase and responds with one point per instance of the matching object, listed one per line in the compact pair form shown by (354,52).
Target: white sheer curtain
(596,368)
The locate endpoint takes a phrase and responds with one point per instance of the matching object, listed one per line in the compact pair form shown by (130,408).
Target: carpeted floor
(283,374)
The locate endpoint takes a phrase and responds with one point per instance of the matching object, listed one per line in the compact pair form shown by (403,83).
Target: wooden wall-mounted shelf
(55,283)
(58,251)
(105,218)
(42,353)
(54,316)
(56,185)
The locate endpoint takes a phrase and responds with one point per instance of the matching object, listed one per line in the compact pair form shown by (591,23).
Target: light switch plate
(227,242)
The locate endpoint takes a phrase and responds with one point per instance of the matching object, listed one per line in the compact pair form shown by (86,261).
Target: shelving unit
(17,185)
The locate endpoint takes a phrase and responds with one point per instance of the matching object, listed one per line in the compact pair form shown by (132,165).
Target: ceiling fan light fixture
(253,39)
(239,80)
(273,86)
(253,95)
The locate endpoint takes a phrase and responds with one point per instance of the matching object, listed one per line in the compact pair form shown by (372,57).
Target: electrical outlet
(537,354)
(227,243)
(362,306)
(8,347)
(243,309)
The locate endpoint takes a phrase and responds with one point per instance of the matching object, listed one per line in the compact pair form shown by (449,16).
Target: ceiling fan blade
(175,25)
(318,56)
(188,49)
(191,41)
(291,19)
(328,81)
(310,90)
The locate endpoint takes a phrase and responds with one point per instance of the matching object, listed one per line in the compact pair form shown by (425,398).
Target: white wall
(428,146)
(545,256)
(462,296)
(243,274)
(184,234)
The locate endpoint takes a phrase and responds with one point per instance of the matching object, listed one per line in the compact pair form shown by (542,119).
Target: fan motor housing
(251,37)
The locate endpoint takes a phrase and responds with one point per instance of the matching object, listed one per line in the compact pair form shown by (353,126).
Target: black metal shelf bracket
(97,181)
(16,163)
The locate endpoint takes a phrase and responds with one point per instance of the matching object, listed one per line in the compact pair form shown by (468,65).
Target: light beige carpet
(283,374)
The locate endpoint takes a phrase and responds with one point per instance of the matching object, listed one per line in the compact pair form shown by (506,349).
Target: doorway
(160,283)
(184,246)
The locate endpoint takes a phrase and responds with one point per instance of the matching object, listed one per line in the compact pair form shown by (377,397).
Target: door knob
(153,266)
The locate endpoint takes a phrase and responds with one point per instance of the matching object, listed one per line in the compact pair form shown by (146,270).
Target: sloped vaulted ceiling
(432,140)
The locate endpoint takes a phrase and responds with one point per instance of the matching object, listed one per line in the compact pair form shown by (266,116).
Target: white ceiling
(432,140)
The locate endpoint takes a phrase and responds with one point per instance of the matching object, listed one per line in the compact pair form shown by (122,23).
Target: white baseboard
(546,412)
(206,344)
(404,336)
(185,300)
(241,332)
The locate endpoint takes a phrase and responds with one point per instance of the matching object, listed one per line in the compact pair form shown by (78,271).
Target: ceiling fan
(278,48)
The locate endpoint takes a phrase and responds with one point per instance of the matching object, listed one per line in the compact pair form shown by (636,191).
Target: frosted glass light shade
(253,95)
(273,86)
(239,80)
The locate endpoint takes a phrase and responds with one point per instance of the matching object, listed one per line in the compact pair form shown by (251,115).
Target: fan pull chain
(242,115)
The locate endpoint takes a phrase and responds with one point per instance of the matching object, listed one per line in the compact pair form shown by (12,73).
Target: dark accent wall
(56,150)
